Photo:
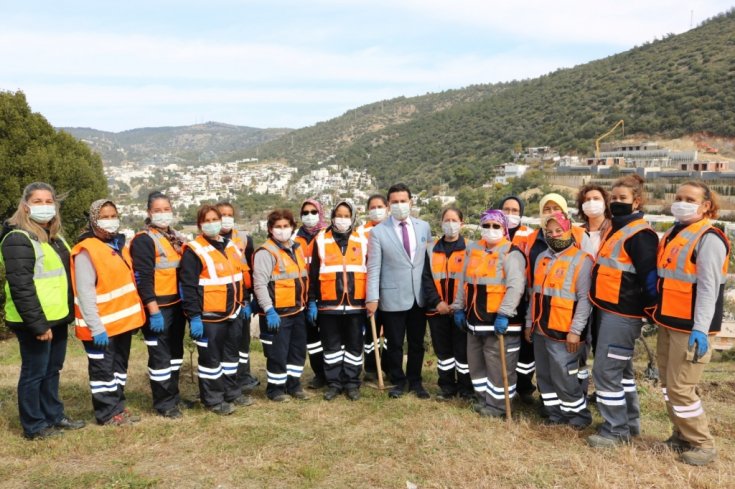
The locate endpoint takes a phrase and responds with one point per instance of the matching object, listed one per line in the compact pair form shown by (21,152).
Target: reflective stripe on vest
(307,249)
(49,280)
(166,256)
(484,286)
(612,252)
(205,253)
(165,280)
(444,270)
(286,278)
(349,292)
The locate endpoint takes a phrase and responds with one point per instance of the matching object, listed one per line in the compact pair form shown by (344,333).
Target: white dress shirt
(411,233)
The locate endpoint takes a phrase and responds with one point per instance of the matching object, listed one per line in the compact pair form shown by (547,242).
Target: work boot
(300,395)
(44,433)
(66,423)
(223,409)
(281,398)
(353,394)
(677,444)
(599,441)
(173,413)
(445,396)
(132,418)
(331,394)
(699,456)
(117,420)
(243,400)
(488,412)
(370,377)
(317,382)
(527,398)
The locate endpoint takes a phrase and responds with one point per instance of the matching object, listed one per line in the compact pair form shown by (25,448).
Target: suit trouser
(342,339)
(450,345)
(285,353)
(483,354)
(217,364)
(314,347)
(369,345)
(108,372)
(679,379)
(556,374)
(617,398)
(525,368)
(245,379)
(165,357)
(410,324)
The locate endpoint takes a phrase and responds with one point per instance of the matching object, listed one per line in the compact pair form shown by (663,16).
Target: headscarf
(94,216)
(557,199)
(521,204)
(562,219)
(319,225)
(495,215)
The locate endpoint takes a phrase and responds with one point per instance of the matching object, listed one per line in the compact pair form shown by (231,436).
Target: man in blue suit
(396,254)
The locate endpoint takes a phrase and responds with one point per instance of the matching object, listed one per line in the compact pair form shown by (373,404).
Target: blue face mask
(212,229)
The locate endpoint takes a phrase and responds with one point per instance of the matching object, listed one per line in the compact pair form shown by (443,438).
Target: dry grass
(376,442)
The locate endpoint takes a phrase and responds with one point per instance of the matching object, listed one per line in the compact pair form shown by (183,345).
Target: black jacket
(431,295)
(20,259)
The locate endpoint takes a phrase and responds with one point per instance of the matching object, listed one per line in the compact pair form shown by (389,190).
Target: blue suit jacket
(393,279)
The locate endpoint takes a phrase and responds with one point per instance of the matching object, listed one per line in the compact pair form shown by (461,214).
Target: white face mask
(109,225)
(451,229)
(492,236)
(513,221)
(377,214)
(593,208)
(685,211)
(42,213)
(282,234)
(310,220)
(228,222)
(162,219)
(212,229)
(400,210)
(342,224)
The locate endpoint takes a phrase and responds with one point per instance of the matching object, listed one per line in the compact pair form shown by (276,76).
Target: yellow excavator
(621,123)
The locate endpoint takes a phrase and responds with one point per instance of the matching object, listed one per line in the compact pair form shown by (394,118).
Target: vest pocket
(285,294)
(607,284)
(560,316)
(494,297)
(215,298)
(359,286)
(676,299)
(328,286)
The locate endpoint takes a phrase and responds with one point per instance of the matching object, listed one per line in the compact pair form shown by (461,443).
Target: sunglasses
(313,213)
(493,225)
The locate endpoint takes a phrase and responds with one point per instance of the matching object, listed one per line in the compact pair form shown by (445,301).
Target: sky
(123,65)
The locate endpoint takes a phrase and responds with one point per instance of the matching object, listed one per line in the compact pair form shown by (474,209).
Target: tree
(32,150)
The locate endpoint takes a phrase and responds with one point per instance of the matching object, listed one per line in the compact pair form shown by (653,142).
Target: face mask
(162,219)
(212,229)
(42,213)
(492,236)
(621,208)
(684,211)
(228,222)
(310,220)
(109,225)
(559,244)
(377,214)
(450,229)
(593,208)
(282,234)
(342,224)
(513,221)
(400,211)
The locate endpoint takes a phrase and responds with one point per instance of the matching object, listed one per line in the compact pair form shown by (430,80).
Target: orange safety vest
(289,280)
(342,277)
(240,244)
(521,238)
(307,248)
(446,272)
(554,292)
(165,277)
(220,274)
(615,286)
(677,278)
(119,306)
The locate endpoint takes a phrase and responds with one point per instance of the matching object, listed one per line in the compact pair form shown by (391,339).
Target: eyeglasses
(493,225)
(313,213)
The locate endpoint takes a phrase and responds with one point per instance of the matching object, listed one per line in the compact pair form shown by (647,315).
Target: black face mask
(559,244)
(621,209)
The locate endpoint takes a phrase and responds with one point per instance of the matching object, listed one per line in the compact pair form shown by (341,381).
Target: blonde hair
(709,196)
(21,218)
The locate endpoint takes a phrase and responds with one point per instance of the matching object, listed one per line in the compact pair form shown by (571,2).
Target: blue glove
(652,287)
(311,312)
(501,324)
(460,319)
(101,340)
(246,311)
(156,322)
(701,340)
(273,319)
(196,327)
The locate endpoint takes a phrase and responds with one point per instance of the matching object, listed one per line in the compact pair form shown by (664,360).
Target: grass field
(375,442)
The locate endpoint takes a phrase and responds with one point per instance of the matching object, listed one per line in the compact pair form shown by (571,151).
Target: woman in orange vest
(593,207)
(107,310)
(281,285)
(212,276)
(490,288)
(312,221)
(155,253)
(556,321)
(337,277)
(244,243)
(623,284)
(692,270)
(441,278)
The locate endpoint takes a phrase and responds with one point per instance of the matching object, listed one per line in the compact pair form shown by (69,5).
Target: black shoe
(173,413)
(317,382)
(250,385)
(281,398)
(223,409)
(69,424)
(420,392)
(396,392)
(467,396)
(186,404)
(592,398)
(44,433)
(445,396)
(527,398)
(353,394)
(370,377)
(331,394)
(300,395)
(243,400)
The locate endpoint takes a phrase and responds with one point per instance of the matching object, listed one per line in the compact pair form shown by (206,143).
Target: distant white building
(511,170)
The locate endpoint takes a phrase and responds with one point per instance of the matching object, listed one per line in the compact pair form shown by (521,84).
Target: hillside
(201,142)
(679,85)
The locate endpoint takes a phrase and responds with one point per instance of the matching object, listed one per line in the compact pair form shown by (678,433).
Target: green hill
(670,87)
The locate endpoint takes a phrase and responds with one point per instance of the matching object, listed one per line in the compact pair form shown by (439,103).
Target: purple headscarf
(319,225)
(495,215)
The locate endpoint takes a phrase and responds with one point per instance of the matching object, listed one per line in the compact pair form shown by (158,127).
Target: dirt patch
(723,391)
